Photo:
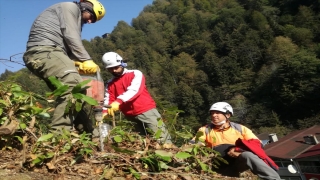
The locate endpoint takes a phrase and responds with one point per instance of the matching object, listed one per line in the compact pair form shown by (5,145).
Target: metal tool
(99,117)
(113,118)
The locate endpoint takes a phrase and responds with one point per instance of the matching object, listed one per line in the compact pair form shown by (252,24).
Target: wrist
(237,149)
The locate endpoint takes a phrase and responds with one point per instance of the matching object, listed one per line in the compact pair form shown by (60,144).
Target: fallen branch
(9,129)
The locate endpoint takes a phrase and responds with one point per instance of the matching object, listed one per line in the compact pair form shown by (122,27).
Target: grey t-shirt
(60,25)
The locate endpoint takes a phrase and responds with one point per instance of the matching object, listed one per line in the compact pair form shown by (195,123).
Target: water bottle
(104,129)
(96,86)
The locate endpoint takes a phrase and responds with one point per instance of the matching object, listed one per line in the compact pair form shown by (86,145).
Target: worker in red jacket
(236,143)
(127,92)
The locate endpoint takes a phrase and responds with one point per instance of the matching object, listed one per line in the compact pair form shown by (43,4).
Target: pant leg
(82,122)
(46,61)
(138,126)
(256,165)
(150,120)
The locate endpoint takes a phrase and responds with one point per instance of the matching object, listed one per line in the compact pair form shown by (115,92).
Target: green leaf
(90,100)
(134,173)
(78,88)
(195,150)
(45,137)
(78,95)
(121,132)
(61,90)
(22,126)
(4,102)
(20,139)
(44,115)
(157,135)
(49,155)
(118,139)
(87,150)
(198,135)
(205,153)
(68,107)
(164,155)
(37,161)
(78,105)
(131,138)
(3,119)
(48,94)
(163,165)
(187,168)
(184,135)
(36,110)
(54,81)
(160,123)
(183,155)
(25,107)
(203,166)
(123,150)
(67,147)
(84,82)
(152,163)
(15,87)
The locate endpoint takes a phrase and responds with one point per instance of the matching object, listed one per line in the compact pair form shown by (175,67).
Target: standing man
(127,92)
(241,147)
(54,42)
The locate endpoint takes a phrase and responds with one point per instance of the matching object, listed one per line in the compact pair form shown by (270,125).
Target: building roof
(263,136)
(293,145)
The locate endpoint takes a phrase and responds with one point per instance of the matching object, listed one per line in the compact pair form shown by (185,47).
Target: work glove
(87,67)
(114,107)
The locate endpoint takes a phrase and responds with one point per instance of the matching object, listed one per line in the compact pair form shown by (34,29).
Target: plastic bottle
(96,90)
(104,129)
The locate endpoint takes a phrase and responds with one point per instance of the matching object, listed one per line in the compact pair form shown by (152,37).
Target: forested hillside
(261,56)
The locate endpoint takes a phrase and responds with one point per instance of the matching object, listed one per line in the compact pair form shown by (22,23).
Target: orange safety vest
(210,141)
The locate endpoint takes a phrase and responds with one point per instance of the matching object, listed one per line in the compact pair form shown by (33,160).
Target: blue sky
(17,16)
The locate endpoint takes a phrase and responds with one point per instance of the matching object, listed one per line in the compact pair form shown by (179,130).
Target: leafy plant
(19,110)
(51,146)
(75,102)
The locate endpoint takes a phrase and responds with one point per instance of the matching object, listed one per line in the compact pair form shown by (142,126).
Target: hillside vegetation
(261,56)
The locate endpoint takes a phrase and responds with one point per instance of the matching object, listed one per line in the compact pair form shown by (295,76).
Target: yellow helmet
(98,9)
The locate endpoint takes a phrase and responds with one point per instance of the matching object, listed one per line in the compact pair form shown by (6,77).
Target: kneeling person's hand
(233,153)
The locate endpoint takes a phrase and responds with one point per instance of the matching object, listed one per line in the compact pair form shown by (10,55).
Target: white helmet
(222,107)
(112,59)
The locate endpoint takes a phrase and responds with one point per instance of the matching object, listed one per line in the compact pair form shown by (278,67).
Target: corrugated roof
(293,145)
